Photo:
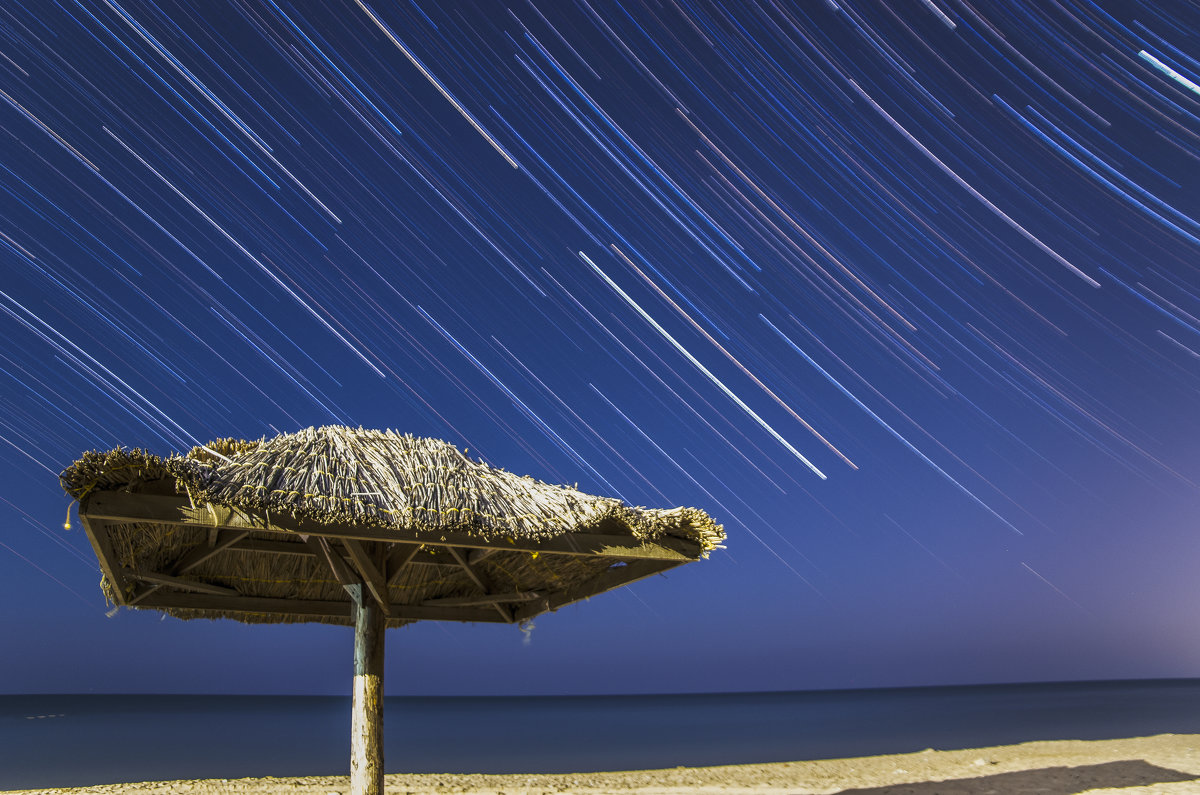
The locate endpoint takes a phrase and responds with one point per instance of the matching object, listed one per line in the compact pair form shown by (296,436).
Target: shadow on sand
(1046,781)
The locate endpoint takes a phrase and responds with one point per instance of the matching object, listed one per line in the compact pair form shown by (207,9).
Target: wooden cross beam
(476,555)
(612,577)
(459,558)
(489,599)
(218,541)
(341,571)
(160,580)
(297,548)
(375,581)
(401,554)
(400,557)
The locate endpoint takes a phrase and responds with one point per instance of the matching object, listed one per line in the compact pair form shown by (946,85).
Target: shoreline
(1165,764)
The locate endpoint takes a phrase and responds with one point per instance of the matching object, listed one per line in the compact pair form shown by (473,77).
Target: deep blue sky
(904,294)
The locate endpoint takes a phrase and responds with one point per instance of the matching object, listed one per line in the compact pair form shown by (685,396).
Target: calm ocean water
(65,740)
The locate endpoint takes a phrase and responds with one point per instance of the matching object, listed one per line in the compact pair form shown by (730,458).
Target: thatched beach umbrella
(365,528)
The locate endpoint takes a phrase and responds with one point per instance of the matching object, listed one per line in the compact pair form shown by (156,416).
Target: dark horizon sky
(907,295)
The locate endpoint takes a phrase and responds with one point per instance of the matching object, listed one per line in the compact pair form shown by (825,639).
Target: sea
(72,740)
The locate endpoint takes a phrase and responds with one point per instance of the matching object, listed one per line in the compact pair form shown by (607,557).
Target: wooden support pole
(366,729)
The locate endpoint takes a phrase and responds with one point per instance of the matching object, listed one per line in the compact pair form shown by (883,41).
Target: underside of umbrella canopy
(301,526)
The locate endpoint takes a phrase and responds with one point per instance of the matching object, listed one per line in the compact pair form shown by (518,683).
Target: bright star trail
(905,294)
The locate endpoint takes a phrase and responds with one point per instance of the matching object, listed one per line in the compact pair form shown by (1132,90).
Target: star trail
(907,295)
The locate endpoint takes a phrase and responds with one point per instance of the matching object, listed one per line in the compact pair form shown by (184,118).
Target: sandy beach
(1166,764)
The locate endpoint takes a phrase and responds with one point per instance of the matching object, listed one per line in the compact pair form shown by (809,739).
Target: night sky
(905,294)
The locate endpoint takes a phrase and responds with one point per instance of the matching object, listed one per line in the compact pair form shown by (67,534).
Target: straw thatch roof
(282,529)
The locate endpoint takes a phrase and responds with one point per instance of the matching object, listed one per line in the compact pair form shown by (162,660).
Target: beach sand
(1167,764)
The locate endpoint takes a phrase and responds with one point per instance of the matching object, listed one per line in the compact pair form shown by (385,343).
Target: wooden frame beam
(461,559)
(612,577)
(97,533)
(310,608)
(119,506)
(401,555)
(219,541)
(297,548)
(165,580)
(490,599)
(364,569)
